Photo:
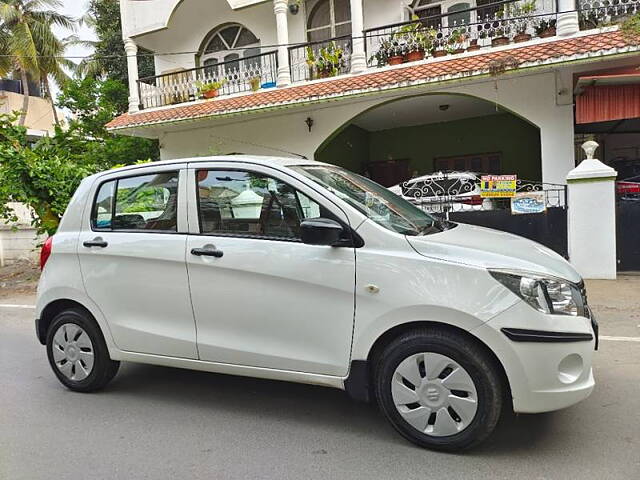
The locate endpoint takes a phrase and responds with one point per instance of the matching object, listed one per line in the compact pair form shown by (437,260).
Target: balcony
(481,27)
(313,60)
(225,78)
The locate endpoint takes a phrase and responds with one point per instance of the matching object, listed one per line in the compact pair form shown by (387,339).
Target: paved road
(158,423)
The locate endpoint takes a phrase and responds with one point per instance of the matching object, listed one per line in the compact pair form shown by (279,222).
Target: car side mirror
(320,231)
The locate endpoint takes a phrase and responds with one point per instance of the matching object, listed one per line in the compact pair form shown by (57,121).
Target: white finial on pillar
(590,148)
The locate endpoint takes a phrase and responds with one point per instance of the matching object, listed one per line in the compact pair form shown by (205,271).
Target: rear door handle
(96,242)
(207,251)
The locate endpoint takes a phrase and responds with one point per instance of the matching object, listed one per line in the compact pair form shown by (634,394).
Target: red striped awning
(602,103)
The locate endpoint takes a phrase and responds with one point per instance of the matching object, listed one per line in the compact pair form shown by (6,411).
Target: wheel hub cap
(434,394)
(73,352)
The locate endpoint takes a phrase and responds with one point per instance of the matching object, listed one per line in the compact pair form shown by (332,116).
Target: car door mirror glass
(321,231)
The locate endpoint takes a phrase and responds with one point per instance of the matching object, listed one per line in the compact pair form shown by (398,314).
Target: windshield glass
(376,202)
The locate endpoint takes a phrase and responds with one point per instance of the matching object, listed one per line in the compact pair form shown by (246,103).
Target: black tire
(103,370)
(467,354)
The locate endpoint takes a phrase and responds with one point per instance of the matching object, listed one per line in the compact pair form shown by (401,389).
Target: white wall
(531,97)
(20,243)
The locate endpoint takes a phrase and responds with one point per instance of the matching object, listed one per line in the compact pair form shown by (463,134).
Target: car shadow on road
(314,406)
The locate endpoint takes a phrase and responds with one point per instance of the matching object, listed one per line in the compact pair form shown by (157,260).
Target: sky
(75,8)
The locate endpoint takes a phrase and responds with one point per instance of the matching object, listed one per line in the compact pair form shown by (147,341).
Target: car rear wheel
(77,352)
(439,389)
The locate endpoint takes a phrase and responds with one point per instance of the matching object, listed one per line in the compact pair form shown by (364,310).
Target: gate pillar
(592,217)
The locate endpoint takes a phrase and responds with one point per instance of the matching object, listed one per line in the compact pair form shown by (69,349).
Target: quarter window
(253,204)
(144,202)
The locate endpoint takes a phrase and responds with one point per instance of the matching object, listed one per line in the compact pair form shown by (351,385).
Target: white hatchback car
(296,270)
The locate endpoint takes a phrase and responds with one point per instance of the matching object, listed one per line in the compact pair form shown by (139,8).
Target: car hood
(487,248)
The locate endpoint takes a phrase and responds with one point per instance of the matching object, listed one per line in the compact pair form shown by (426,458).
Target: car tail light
(627,187)
(45,252)
(473,200)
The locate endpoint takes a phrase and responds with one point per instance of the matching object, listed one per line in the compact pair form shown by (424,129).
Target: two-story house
(390,88)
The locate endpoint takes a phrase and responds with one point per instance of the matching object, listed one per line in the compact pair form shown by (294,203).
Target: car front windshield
(373,200)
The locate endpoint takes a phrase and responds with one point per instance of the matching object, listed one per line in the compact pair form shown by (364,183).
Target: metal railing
(493,24)
(235,76)
(600,13)
(323,59)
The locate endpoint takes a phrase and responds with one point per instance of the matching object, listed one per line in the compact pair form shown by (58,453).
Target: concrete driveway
(157,423)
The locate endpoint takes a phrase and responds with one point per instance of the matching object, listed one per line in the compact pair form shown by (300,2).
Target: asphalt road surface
(157,423)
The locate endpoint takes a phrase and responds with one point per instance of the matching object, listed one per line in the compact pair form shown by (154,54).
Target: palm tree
(34,49)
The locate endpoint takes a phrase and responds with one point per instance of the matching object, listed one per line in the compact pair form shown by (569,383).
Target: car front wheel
(439,389)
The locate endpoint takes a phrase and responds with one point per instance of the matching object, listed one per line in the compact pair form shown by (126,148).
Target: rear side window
(140,203)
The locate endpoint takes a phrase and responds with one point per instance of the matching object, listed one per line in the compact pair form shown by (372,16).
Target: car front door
(131,254)
(260,296)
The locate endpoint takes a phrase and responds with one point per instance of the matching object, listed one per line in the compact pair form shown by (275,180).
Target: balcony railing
(246,74)
(598,13)
(494,24)
(327,58)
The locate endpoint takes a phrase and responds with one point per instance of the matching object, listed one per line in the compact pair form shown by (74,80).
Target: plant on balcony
(327,63)
(254,82)
(455,42)
(546,27)
(520,15)
(210,89)
(414,39)
(630,28)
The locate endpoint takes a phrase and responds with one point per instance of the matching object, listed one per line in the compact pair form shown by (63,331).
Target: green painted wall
(517,140)
(349,149)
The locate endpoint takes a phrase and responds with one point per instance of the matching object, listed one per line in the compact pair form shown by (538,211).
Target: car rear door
(260,296)
(131,252)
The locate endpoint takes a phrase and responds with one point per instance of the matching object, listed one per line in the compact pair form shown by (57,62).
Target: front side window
(250,203)
(376,202)
(143,202)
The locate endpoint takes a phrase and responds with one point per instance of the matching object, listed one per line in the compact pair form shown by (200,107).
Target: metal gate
(628,232)
(456,196)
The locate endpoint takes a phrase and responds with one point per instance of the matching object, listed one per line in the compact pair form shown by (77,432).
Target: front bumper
(547,358)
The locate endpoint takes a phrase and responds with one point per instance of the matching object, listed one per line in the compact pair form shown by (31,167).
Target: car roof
(254,159)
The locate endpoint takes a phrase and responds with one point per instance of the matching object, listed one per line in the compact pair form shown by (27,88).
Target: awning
(606,97)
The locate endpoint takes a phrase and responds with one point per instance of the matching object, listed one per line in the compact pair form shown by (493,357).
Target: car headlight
(545,294)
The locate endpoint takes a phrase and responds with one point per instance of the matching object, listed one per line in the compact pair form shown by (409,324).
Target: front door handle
(96,242)
(207,251)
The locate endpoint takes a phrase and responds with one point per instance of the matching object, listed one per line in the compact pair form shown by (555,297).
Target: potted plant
(546,27)
(500,35)
(455,42)
(520,14)
(415,40)
(210,89)
(327,62)
(439,49)
(381,56)
(254,82)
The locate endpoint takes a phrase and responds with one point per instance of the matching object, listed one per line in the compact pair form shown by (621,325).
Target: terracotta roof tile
(381,79)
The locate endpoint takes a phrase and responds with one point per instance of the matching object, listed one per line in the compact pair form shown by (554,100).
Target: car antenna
(281,150)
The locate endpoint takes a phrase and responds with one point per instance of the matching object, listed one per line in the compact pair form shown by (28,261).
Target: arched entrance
(413,136)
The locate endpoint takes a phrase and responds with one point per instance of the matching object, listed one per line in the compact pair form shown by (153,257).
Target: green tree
(42,177)
(109,58)
(28,39)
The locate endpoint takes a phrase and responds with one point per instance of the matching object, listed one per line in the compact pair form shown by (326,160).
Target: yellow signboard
(498,186)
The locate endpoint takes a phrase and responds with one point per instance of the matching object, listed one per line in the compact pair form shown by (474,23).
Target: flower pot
(548,32)
(439,53)
(324,74)
(395,60)
(414,56)
(522,37)
(473,47)
(499,41)
(457,50)
(210,94)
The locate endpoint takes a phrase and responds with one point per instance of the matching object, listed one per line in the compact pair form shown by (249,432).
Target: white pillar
(358,57)
(280,8)
(131,50)
(592,217)
(567,23)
